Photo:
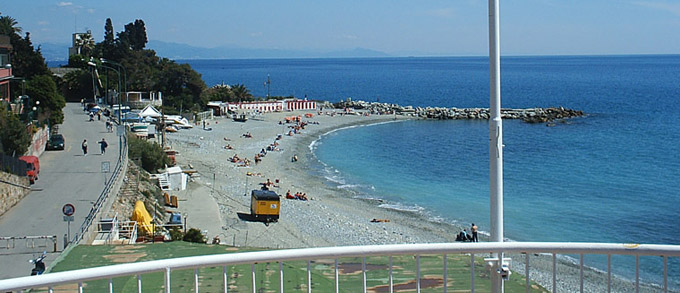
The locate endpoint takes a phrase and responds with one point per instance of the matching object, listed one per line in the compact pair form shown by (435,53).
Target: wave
(315,143)
(355,186)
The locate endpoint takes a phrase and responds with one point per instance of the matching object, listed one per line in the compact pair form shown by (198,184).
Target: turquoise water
(607,177)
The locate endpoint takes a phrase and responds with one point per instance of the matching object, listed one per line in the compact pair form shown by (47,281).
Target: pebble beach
(218,194)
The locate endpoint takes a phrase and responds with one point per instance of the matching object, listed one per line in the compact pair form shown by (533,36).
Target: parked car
(33,167)
(56,142)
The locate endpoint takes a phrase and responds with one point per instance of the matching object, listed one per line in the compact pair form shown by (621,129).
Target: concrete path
(65,177)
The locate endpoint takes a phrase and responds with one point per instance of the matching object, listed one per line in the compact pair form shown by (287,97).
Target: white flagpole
(495,142)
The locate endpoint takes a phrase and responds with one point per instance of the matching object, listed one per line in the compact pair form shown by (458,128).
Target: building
(263,106)
(5,68)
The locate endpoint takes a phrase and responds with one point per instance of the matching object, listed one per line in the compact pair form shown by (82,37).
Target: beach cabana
(150,111)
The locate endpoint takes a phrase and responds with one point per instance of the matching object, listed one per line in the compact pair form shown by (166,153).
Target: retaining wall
(13,188)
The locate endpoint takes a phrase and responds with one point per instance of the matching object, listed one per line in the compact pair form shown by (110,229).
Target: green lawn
(295,273)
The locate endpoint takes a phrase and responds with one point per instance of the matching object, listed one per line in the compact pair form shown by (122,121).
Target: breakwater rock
(530,115)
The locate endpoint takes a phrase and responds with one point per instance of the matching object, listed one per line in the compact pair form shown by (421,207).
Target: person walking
(473,229)
(103,145)
(84,146)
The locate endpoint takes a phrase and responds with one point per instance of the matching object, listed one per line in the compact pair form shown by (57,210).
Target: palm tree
(8,26)
(241,92)
(85,44)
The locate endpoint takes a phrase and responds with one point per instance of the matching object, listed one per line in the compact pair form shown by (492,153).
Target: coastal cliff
(529,115)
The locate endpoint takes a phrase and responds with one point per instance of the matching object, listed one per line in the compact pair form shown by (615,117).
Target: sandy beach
(330,217)
(220,190)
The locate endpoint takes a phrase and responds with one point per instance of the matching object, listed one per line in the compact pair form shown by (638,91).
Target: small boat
(139,127)
(171,128)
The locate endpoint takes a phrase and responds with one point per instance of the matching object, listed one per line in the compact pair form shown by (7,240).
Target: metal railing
(94,211)
(166,266)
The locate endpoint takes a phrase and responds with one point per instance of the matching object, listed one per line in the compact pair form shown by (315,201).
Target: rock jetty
(529,115)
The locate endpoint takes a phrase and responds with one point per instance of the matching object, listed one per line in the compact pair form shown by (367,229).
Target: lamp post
(120,108)
(106,61)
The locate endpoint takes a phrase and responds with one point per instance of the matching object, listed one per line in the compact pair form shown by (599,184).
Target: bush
(176,234)
(151,155)
(194,235)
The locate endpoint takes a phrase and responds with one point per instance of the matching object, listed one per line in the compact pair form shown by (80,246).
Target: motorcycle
(39,268)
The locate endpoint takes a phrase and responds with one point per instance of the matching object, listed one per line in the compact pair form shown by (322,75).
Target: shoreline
(333,216)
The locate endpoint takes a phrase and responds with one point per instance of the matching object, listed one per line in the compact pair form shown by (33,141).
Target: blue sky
(397,27)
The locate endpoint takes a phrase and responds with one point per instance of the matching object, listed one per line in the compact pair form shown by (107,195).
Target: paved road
(65,177)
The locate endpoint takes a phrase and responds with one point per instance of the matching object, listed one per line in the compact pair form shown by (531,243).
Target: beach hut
(177,178)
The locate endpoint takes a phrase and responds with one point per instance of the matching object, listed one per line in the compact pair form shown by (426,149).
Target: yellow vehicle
(265,205)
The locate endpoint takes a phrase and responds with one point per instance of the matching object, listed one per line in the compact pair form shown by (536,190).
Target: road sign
(68,218)
(68,209)
(106,167)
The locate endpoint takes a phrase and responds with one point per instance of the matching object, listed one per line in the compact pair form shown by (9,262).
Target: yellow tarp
(142,217)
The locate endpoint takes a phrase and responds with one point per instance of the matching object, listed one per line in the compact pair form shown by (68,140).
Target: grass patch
(295,272)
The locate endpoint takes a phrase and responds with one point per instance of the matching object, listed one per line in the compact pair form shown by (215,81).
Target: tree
(134,36)
(76,85)
(108,46)
(8,26)
(151,154)
(26,61)
(181,85)
(241,92)
(14,139)
(219,93)
(42,88)
(85,44)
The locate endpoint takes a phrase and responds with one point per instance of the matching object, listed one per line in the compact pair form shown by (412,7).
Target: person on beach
(462,236)
(84,146)
(473,229)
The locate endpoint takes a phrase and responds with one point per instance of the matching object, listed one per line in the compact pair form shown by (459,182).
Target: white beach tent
(150,111)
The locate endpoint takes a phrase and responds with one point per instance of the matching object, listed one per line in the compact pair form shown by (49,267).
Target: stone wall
(12,189)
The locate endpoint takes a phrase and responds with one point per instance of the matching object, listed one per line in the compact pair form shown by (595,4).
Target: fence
(528,249)
(101,200)
(12,165)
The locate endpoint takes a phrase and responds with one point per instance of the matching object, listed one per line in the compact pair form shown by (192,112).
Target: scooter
(39,268)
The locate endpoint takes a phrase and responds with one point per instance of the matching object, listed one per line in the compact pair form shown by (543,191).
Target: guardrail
(527,248)
(94,211)
(30,242)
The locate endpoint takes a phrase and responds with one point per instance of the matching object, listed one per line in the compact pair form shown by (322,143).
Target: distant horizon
(396,28)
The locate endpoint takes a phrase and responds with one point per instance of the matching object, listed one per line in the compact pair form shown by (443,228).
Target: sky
(396,27)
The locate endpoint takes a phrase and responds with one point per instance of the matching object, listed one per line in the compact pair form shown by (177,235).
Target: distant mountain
(54,52)
(184,51)
(175,51)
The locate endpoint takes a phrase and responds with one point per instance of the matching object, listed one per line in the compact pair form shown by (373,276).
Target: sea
(611,176)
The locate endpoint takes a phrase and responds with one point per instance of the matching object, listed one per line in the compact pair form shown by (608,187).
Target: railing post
(445,273)
(309,276)
(252,273)
(196,280)
(139,283)
(224,278)
(363,272)
(418,273)
(167,280)
(337,281)
(391,277)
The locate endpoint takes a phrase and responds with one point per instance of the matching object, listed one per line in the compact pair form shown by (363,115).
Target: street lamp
(35,108)
(119,66)
(120,107)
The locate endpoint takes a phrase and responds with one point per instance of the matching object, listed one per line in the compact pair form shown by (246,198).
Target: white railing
(307,254)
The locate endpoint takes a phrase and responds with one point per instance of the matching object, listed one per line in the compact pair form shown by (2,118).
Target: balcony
(319,269)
